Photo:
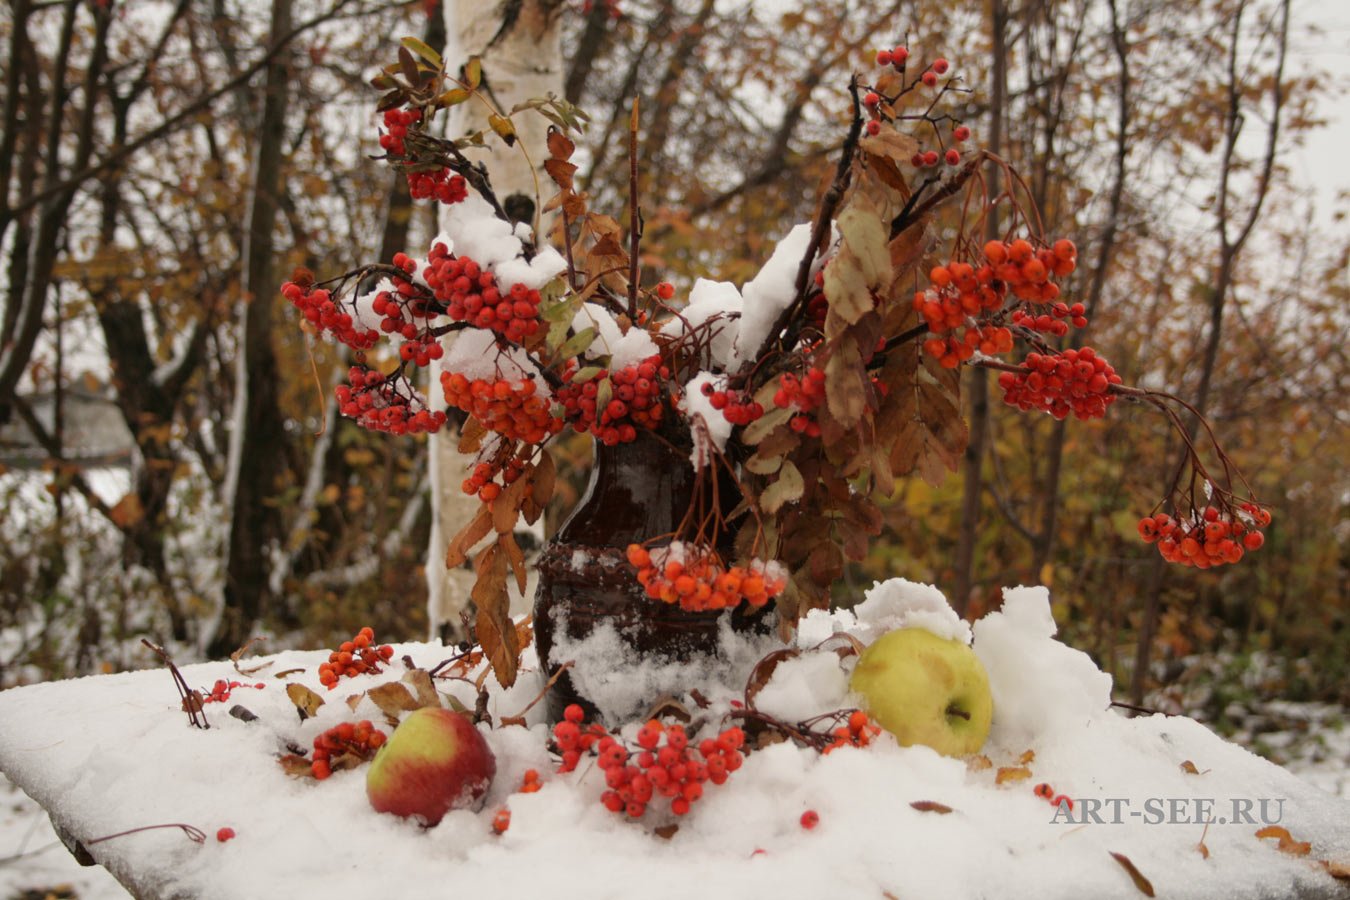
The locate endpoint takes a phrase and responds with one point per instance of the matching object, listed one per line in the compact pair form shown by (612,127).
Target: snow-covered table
(112,753)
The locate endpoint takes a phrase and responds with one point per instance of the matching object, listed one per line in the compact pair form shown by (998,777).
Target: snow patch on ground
(114,752)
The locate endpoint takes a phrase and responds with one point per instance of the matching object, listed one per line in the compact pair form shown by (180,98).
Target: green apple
(926,689)
(435,761)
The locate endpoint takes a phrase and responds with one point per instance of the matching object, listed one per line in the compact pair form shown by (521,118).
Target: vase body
(638,491)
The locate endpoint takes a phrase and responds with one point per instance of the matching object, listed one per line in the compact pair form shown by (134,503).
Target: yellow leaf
(306,701)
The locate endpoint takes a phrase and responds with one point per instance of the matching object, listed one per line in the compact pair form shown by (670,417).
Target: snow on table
(111,753)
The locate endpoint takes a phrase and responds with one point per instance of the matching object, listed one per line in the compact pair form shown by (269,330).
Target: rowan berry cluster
(698,580)
(501,821)
(530,783)
(1056,322)
(471,294)
(857,732)
(386,403)
(400,310)
(321,310)
(439,184)
(633,401)
(662,764)
(958,294)
(512,407)
(736,406)
(359,656)
(480,480)
(1027,271)
(574,738)
(220,691)
(1075,381)
(348,741)
(1207,539)
(806,394)
(396,125)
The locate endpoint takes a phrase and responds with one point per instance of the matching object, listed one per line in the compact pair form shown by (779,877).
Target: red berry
(224,834)
(810,819)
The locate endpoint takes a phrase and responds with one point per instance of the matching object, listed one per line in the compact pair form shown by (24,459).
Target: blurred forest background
(166,165)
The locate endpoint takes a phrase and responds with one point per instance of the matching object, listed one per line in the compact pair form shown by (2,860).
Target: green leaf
(577,343)
(586,374)
(422,50)
(603,394)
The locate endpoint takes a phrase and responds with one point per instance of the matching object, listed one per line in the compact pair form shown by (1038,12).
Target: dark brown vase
(637,491)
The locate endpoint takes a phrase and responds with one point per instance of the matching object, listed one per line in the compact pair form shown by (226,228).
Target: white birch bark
(519,43)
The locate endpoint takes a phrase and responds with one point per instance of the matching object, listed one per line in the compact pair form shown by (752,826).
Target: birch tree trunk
(519,43)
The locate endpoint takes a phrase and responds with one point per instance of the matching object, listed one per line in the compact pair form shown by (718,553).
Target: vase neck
(638,490)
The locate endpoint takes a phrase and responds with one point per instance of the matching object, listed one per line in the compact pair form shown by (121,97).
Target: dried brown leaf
(1012,774)
(846,383)
(561,171)
(392,699)
(496,632)
(979,763)
(296,766)
(516,557)
(306,701)
(850,295)
(931,806)
(1189,768)
(469,535)
(1143,884)
(787,487)
(560,146)
(238,654)
(763,672)
(1027,758)
(890,144)
(127,512)
(471,435)
(1287,844)
(1337,870)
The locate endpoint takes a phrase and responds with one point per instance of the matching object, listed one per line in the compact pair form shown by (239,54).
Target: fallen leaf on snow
(1287,843)
(1145,886)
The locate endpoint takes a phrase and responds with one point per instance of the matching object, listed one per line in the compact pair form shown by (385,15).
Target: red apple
(435,761)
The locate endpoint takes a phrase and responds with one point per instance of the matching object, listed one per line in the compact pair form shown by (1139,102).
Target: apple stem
(953,711)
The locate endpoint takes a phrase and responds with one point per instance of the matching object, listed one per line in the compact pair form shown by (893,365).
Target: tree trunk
(973,486)
(258,433)
(1230,247)
(1045,536)
(519,43)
